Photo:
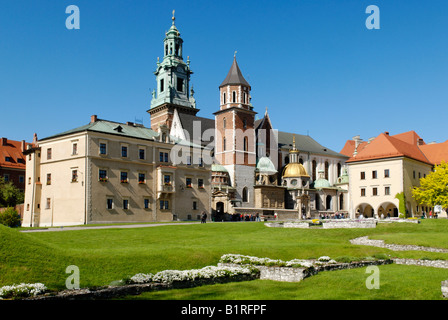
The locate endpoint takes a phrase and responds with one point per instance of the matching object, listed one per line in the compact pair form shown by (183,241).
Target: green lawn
(107,255)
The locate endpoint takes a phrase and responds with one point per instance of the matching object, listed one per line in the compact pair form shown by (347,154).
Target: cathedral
(255,168)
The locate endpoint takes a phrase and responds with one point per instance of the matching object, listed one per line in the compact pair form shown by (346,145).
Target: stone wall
(290,274)
(424,263)
(332,224)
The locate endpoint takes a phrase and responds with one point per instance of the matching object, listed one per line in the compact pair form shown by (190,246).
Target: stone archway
(365,209)
(388,209)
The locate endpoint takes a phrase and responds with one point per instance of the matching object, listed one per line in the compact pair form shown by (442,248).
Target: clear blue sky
(313,63)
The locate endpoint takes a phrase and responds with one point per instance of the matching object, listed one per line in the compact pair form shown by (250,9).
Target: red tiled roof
(11,152)
(436,152)
(410,137)
(349,147)
(386,146)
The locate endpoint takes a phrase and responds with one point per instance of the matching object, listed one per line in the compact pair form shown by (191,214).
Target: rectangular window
(363,175)
(161,156)
(201,183)
(413,173)
(48,178)
(141,154)
(123,177)
(387,191)
(124,151)
(110,203)
(21,179)
(48,205)
(188,160)
(374,174)
(6,177)
(180,84)
(162,85)
(195,205)
(125,204)
(386,173)
(375,191)
(74,149)
(164,205)
(141,178)
(166,156)
(167,179)
(49,154)
(146,203)
(363,192)
(102,175)
(188,182)
(103,148)
(74,175)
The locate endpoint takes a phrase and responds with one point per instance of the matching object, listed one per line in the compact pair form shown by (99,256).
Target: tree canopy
(10,195)
(433,188)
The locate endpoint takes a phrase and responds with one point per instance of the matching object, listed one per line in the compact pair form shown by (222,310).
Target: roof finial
(234,55)
(294,142)
(173,18)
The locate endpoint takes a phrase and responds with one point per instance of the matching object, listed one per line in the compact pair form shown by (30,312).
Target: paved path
(118,226)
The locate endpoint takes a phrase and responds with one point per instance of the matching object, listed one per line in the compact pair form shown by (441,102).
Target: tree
(10,195)
(433,188)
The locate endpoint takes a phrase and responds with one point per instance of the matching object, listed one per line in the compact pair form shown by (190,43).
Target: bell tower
(173,82)
(235,137)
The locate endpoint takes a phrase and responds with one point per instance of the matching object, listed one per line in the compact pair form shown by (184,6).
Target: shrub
(10,218)
(346,259)
(22,290)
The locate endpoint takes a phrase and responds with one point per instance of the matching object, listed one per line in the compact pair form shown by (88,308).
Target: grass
(106,255)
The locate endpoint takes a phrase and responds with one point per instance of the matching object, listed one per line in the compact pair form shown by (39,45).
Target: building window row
(375,174)
(126,203)
(375,191)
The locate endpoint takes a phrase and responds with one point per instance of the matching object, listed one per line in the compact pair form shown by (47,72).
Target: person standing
(204,217)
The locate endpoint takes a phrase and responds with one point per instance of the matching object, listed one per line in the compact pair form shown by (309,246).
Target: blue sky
(312,63)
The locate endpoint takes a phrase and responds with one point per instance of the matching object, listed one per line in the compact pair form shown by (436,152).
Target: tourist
(257,217)
(204,217)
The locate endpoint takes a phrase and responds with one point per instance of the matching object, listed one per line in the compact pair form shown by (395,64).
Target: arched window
(314,169)
(245,195)
(224,144)
(339,169)
(166,49)
(234,96)
(326,169)
(244,97)
(224,123)
(301,161)
(246,143)
(224,98)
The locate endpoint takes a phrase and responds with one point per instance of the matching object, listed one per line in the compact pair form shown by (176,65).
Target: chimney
(357,140)
(4,141)
(386,133)
(23,145)
(93,118)
(420,142)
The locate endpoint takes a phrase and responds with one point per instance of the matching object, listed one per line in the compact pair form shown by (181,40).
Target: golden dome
(294,170)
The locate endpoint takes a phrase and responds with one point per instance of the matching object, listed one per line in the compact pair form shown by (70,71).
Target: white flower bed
(22,290)
(210,272)
(242,259)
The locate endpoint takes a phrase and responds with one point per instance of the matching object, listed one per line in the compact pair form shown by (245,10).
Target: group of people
(336,215)
(248,217)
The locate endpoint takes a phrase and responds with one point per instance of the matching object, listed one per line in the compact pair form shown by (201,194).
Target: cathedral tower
(235,134)
(173,82)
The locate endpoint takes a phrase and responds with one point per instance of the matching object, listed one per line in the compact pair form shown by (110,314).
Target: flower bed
(194,277)
(22,290)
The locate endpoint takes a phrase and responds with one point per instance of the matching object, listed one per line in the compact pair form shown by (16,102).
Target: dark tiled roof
(234,76)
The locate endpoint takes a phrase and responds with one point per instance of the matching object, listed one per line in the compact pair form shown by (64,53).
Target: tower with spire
(235,136)
(173,82)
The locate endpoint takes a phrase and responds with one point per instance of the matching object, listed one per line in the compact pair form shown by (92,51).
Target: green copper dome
(265,165)
(321,182)
(218,168)
(343,179)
